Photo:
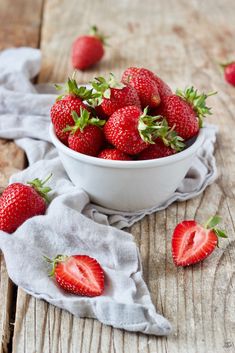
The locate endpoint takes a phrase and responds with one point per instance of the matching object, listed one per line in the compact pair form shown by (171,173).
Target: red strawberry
(86,135)
(61,110)
(185,111)
(130,73)
(113,95)
(229,72)
(114,154)
(88,50)
(20,202)
(192,242)
(131,131)
(147,90)
(78,274)
(156,150)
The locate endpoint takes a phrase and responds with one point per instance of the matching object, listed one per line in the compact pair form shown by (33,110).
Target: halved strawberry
(78,274)
(192,242)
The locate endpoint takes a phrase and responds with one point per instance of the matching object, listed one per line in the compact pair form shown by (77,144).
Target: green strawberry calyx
(224,65)
(103,88)
(54,261)
(197,101)
(39,186)
(83,120)
(212,223)
(153,127)
(71,88)
(95,33)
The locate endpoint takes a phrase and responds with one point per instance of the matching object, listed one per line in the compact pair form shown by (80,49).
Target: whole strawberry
(114,154)
(86,136)
(78,274)
(88,50)
(156,150)
(229,72)
(61,110)
(132,72)
(20,202)
(131,131)
(147,90)
(185,111)
(113,95)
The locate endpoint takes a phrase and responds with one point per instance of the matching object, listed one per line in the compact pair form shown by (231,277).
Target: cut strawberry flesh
(192,243)
(81,275)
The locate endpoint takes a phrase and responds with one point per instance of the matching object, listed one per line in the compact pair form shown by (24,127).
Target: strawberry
(147,90)
(20,202)
(131,131)
(185,111)
(130,73)
(229,72)
(88,50)
(86,135)
(156,150)
(192,242)
(78,274)
(113,95)
(114,154)
(61,110)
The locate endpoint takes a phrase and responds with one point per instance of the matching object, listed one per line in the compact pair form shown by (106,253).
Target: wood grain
(20,23)
(20,26)
(182,41)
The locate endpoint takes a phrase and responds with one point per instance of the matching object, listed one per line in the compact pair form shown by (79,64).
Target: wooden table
(182,41)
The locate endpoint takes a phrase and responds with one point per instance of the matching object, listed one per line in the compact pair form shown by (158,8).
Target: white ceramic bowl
(127,185)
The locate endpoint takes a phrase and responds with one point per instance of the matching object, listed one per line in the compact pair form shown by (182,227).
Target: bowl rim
(124,164)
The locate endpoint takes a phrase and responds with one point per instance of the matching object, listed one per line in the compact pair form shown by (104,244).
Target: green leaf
(220,233)
(107,93)
(198,102)
(212,222)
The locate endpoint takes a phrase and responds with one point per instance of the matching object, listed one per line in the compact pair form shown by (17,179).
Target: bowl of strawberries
(128,144)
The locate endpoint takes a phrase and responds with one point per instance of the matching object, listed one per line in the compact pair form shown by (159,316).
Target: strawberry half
(78,274)
(192,242)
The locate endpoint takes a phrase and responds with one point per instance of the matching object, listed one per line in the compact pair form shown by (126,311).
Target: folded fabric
(72,224)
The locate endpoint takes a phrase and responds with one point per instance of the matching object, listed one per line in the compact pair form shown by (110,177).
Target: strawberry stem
(224,65)
(153,127)
(54,261)
(212,223)
(95,32)
(197,101)
(83,120)
(103,88)
(42,190)
(71,88)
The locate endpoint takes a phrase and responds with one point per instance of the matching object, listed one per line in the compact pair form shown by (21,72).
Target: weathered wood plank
(180,40)
(20,23)
(20,26)
(11,161)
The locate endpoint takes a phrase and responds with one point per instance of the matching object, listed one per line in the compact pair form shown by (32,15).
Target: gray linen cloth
(72,225)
